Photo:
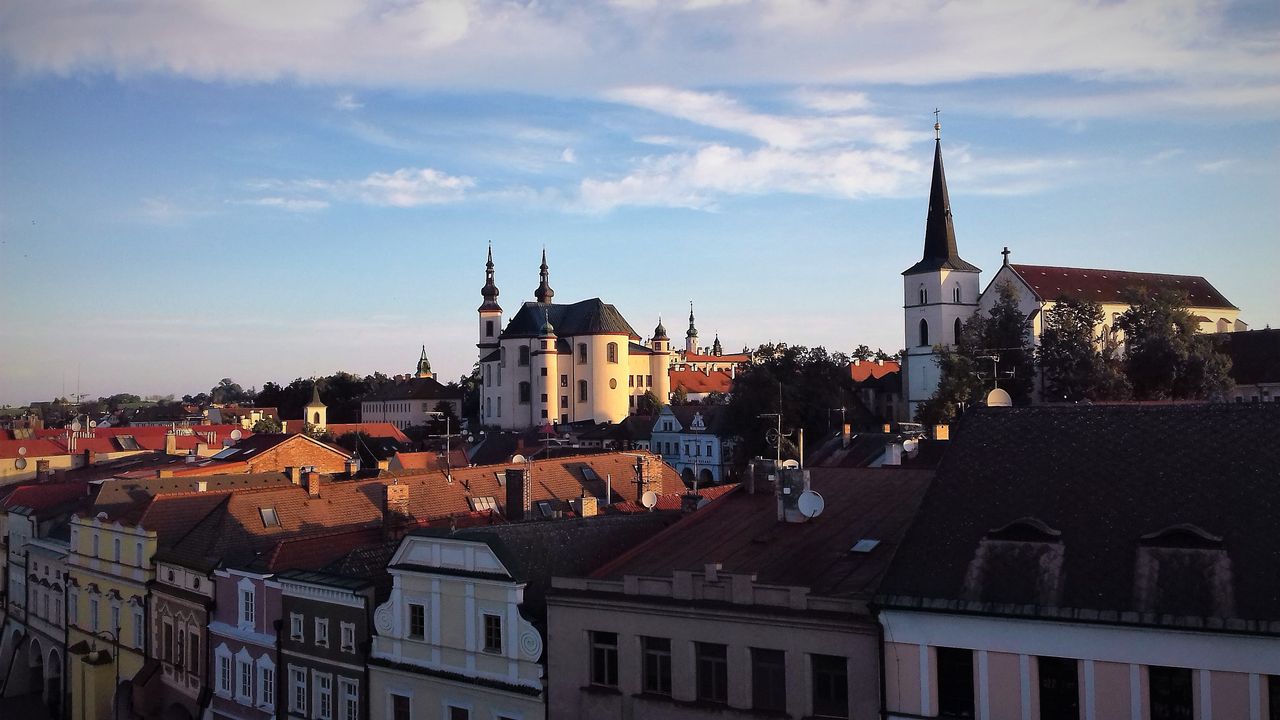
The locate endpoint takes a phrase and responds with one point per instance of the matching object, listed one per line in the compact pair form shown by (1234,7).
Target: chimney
(689,502)
(888,428)
(649,471)
(292,474)
(584,506)
(170,443)
(191,458)
(941,432)
(395,510)
(353,465)
(202,486)
(90,457)
(846,434)
(43,474)
(791,484)
(311,481)
(202,449)
(384,465)
(518,501)
(892,454)
(164,473)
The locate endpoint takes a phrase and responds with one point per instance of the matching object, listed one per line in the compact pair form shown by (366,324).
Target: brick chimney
(846,434)
(43,473)
(584,506)
(170,443)
(395,511)
(90,457)
(689,502)
(311,481)
(292,473)
(649,472)
(518,499)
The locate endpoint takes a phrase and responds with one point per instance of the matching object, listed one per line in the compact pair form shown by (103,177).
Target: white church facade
(557,363)
(942,290)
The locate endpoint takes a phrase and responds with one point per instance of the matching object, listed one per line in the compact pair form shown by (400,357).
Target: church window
(582,353)
(955,294)
(488,407)
(612,352)
(315,419)
(924,296)
(488,328)
(524,355)
(488,376)
(582,391)
(524,392)
(924,331)
(959,328)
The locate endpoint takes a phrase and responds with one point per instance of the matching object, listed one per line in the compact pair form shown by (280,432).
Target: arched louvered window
(955,294)
(924,296)
(924,331)
(959,328)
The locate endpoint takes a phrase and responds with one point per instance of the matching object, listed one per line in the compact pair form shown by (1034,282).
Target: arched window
(316,419)
(955,294)
(582,391)
(488,407)
(959,327)
(612,352)
(502,358)
(924,331)
(924,296)
(524,392)
(488,375)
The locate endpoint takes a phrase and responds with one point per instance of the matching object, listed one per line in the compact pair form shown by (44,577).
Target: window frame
(768,666)
(602,666)
(422,622)
(830,688)
(491,633)
(711,672)
(655,665)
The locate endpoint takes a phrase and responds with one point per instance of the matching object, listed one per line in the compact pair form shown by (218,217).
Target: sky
(265,191)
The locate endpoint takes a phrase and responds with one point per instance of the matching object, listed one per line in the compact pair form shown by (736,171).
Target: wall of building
(256,642)
(940,311)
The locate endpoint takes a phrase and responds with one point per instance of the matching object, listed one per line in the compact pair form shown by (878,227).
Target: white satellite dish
(75,426)
(999,398)
(22,450)
(236,434)
(649,499)
(518,458)
(93,424)
(702,503)
(810,504)
(20,463)
(911,445)
(790,464)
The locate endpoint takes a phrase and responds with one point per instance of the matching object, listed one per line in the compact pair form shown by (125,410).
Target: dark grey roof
(939,231)
(536,551)
(588,317)
(413,389)
(1141,514)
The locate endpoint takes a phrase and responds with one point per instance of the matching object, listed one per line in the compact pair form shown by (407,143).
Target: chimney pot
(292,474)
(517,494)
(311,480)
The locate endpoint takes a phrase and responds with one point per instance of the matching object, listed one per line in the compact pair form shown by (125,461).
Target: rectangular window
(417,621)
(350,693)
(193,651)
(96,543)
(115,620)
(137,554)
(564,401)
(246,681)
(604,658)
(493,633)
(830,686)
(266,687)
(138,627)
(457,713)
(73,608)
(1059,689)
(544,397)
(655,670)
(93,614)
(180,650)
(582,391)
(1273,693)
(1171,694)
(712,672)
(542,372)
(768,680)
(115,549)
(348,639)
(582,353)
(524,355)
(224,674)
(648,380)
(322,632)
(401,707)
(295,626)
(488,328)
(324,696)
(611,352)
(955,682)
(246,607)
(297,690)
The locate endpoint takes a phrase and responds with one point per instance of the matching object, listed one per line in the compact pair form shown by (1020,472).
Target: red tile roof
(860,371)
(30,449)
(46,496)
(697,357)
(1107,286)
(372,429)
(696,381)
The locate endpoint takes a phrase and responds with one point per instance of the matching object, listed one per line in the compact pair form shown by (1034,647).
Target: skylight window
(865,545)
(480,504)
(545,508)
(269,517)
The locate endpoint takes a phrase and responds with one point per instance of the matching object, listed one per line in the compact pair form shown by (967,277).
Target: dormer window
(1184,570)
(1020,562)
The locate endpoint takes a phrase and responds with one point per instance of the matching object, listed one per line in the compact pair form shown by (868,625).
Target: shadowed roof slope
(587,317)
(1148,514)
(742,532)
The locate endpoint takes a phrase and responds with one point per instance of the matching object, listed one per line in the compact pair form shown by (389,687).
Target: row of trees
(1153,352)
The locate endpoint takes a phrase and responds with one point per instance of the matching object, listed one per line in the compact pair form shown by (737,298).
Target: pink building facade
(245,666)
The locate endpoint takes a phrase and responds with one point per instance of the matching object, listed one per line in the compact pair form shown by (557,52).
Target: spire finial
(544,293)
(489,262)
(937,125)
(1005,253)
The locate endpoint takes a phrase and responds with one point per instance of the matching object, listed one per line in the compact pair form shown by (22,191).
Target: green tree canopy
(1075,363)
(648,404)
(1165,357)
(267,425)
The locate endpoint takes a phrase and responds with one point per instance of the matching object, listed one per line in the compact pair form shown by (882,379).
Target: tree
(992,349)
(862,352)
(1069,359)
(267,425)
(228,391)
(470,386)
(1165,358)
(882,355)
(648,404)
(361,445)
(318,432)
(715,397)
(679,396)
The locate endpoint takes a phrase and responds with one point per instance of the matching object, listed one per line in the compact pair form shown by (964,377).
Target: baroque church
(942,290)
(557,363)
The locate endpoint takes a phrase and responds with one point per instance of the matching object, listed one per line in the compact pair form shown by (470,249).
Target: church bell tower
(490,311)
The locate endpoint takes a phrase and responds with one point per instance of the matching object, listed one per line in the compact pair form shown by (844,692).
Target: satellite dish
(20,463)
(93,424)
(911,445)
(810,504)
(703,503)
(790,464)
(518,458)
(649,499)
(999,398)
(75,426)
(22,450)
(236,434)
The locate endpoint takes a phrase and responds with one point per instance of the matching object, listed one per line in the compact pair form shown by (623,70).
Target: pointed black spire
(693,331)
(660,332)
(490,290)
(939,232)
(544,293)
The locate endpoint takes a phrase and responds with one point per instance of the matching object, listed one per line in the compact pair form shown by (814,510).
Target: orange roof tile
(861,371)
(696,381)
(372,429)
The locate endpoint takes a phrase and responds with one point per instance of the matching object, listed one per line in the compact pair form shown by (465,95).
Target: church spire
(544,293)
(939,233)
(424,365)
(490,290)
(693,331)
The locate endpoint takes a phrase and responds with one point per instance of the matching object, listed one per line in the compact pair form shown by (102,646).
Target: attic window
(127,442)
(589,474)
(480,504)
(269,517)
(865,545)
(545,508)
(501,478)
(1025,529)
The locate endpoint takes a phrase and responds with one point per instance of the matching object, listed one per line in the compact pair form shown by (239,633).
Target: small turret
(660,332)
(316,412)
(691,335)
(490,290)
(544,293)
(424,365)
(715,346)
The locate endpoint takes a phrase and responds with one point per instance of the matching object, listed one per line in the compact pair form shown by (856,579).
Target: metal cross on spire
(937,125)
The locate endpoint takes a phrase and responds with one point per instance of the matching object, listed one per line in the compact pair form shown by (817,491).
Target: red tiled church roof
(1108,286)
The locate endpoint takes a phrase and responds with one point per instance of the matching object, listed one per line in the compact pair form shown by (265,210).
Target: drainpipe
(282,699)
(66,640)
(884,685)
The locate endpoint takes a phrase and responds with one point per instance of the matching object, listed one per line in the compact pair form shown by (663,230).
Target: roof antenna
(937,126)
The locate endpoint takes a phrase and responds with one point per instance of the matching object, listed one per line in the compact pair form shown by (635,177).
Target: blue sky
(267,191)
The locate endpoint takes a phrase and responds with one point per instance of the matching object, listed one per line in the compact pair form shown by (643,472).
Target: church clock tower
(940,292)
(490,312)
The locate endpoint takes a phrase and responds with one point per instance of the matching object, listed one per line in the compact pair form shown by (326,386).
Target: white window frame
(296,627)
(391,703)
(246,605)
(266,681)
(322,632)
(348,692)
(297,681)
(224,684)
(73,607)
(139,628)
(347,630)
(244,675)
(322,690)
(93,611)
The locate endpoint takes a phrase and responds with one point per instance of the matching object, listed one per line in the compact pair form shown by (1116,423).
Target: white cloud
(569,155)
(405,187)
(1216,166)
(347,102)
(291,204)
